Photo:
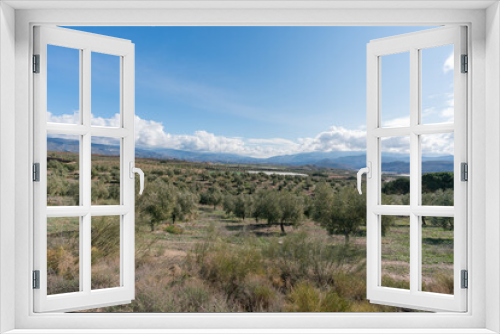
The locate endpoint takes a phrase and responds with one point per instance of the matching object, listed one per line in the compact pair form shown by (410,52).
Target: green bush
(173,229)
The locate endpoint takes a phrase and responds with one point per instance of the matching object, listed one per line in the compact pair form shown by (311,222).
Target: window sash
(414,298)
(86,298)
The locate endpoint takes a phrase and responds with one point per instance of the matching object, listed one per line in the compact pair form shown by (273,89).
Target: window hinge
(36,279)
(36,172)
(465,279)
(465,64)
(464,171)
(36,63)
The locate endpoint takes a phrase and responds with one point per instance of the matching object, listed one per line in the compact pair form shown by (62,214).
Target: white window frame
(483,212)
(86,44)
(413,44)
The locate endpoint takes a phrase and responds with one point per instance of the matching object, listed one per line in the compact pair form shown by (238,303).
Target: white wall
(7,162)
(186,17)
(492,165)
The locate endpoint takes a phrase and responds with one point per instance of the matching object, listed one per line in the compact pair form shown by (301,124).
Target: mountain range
(351,160)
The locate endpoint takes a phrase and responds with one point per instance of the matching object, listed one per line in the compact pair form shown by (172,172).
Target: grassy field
(210,260)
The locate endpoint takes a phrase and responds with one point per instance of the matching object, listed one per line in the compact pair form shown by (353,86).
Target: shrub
(257,295)
(105,238)
(434,181)
(332,302)
(394,283)
(303,298)
(61,262)
(351,285)
(440,283)
(174,229)
(227,266)
(194,297)
(299,258)
(399,186)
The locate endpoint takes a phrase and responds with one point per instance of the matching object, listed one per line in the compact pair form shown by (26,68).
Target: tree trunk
(346,238)
(173,220)
(282,226)
(423,221)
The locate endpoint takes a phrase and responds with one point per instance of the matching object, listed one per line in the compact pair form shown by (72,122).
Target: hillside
(351,160)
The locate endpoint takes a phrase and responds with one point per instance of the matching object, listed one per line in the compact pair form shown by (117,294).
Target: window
(79,224)
(411,136)
(482,239)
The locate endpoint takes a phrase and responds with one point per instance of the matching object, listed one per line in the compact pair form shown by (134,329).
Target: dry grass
(218,263)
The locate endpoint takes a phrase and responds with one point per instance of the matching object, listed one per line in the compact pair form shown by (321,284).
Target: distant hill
(352,160)
(398,167)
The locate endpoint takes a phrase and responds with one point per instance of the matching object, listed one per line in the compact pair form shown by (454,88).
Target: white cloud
(113,122)
(152,134)
(397,122)
(396,145)
(448,112)
(336,138)
(449,64)
(65,118)
(438,144)
(442,109)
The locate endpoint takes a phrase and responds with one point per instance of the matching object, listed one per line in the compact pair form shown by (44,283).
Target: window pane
(395,250)
(437,254)
(437,84)
(105,171)
(395,90)
(437,169)
(63,85)
(105,90)
(63,170)
(63,255)
(105,252)
(395,167)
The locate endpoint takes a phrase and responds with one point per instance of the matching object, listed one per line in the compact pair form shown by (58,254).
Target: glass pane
(395,90)
(437,169)
(105,252)
(437,85)
(63,85)
(395,251)
(63,255)
(395,167)
(105,171)
(437,254)
(105,90)
(63,170)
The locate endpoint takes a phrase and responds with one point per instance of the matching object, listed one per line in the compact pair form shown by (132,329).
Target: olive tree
(185,205)
(243,206)
(157,203)
(228,204)
(292,209)
(341,213)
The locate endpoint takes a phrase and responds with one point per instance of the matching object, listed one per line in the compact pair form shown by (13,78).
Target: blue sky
(251,90)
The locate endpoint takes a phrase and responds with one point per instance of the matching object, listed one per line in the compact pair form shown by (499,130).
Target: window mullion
(414,169)
(85,176)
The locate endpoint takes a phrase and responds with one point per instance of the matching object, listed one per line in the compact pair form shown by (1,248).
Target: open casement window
(413,133)
(71,228)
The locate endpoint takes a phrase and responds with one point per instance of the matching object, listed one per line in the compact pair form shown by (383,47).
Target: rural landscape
(213,237)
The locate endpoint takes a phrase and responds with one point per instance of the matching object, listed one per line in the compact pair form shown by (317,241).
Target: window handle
(134,170)
(368,171)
